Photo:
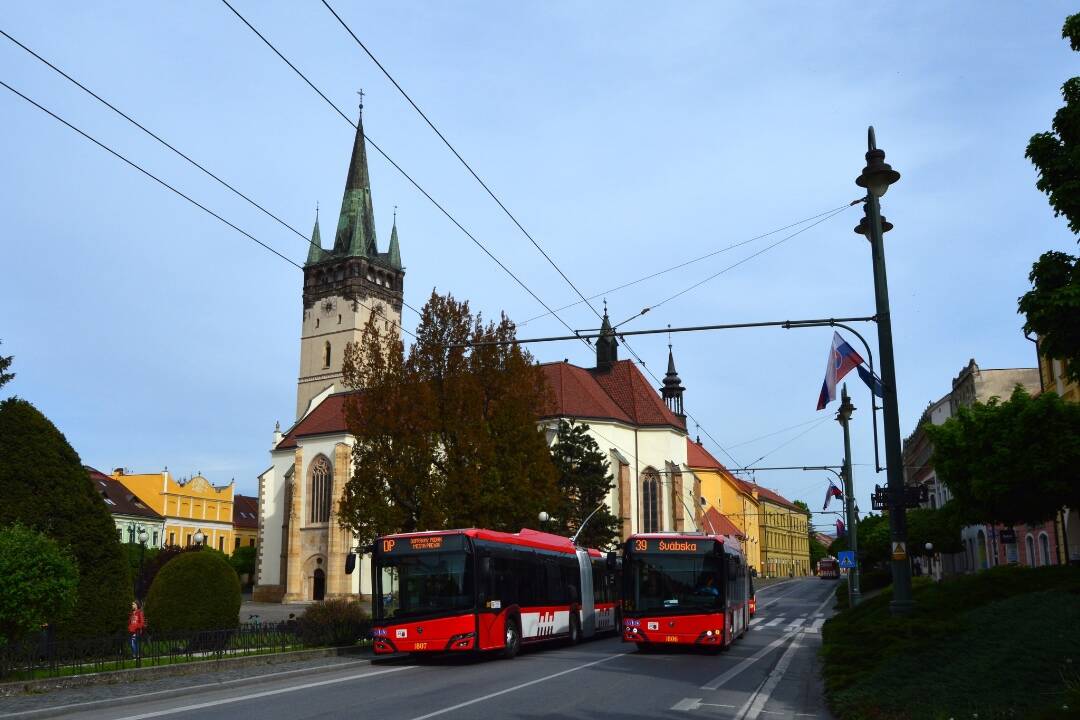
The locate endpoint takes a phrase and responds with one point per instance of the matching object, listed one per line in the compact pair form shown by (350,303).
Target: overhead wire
(776,432)
(397,167)
(167,186)
(791,440)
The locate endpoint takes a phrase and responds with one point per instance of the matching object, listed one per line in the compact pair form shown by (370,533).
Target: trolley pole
(843,415)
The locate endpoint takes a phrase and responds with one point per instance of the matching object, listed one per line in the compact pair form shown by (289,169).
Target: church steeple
(355,235)
(315,251)
(607,347)
(393,255)
(672,391)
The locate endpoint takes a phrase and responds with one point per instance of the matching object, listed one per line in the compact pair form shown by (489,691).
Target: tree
(1053,303)
(44,485)
(194,591)
(1012,462)
(874,538)
(584,481)
(243,562)
(5,363)
(941,527)
(817,551)
(40,582)
(447,436)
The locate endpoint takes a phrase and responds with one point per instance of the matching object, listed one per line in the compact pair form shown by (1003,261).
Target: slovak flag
(832,492)
(840,528)
(842,360)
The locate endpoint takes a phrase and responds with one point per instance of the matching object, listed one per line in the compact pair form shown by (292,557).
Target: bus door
(588,598)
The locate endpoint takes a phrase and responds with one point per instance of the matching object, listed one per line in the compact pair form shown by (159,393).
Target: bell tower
(345,284)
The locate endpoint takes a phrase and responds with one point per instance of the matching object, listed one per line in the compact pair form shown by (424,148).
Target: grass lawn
(1004,643)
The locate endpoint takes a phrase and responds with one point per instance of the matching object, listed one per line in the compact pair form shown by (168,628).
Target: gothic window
(650,501)
(326,354)
(1031,551)
(1044,546)
(319,495)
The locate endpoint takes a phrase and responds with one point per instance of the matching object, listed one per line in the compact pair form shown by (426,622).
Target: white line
(182,690)
(796,623)
(816,626)
(687,704)
(761,697)
(515,687)
(774,621)
(755,621)
(265,693)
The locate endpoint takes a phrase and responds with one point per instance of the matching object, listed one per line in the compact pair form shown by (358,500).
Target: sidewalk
(279,612)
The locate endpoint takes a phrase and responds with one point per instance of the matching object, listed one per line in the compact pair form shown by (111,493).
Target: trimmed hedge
(194,591)
(334,622)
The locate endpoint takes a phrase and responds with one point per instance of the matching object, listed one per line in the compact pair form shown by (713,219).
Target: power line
(397,167)
(715,275)
(791,440)
(706,256)
(460,158)
(164,184)
(776,432)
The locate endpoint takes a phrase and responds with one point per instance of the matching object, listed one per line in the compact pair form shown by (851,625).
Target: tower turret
(672,390)
(607,347)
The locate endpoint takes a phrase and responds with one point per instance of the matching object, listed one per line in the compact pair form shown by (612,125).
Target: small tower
(607,347)
(672,391)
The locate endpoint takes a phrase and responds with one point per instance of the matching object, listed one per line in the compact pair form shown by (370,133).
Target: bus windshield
(673,583)
(423,584)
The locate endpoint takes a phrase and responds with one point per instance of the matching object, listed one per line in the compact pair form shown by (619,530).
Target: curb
(119,677)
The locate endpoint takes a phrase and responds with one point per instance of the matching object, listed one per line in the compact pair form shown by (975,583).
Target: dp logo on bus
(387,545)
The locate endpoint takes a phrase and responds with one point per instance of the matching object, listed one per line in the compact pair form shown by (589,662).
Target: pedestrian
(136,625)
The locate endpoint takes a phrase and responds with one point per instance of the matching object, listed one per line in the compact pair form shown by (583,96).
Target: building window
(172,538)
(1030,551)
(155,538)
(650,501)
(237,543)
(251,542)
(319,493)
(120,534)
(131,534)
(326,354)
(1044,545)
(339,319)
(316,323)
(188,543)
(221,543)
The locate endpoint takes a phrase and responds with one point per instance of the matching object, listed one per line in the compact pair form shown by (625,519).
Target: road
(771,673)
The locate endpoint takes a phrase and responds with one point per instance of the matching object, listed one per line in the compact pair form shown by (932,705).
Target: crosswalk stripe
(796,623)
(816,626)
(774,621)
(754,622)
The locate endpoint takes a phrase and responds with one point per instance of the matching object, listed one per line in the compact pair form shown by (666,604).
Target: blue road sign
(847,559)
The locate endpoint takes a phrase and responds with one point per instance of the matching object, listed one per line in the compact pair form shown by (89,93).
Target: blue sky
(625,137)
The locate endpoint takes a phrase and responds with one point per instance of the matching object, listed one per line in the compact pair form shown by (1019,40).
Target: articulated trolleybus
(472,590)
(685,589)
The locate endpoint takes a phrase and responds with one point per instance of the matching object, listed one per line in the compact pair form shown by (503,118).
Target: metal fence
(46,657)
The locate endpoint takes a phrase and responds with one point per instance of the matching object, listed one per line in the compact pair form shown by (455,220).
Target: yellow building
(786,539)
(730,496)
(188,506)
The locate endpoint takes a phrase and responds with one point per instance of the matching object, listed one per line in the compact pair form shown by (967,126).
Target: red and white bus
(685,589)
(828,568)
(473,590)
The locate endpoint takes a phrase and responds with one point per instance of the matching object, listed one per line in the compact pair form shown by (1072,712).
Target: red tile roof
(327,417)
(771,496)
(716,521)
(620,393)
(245,511)
(698,457)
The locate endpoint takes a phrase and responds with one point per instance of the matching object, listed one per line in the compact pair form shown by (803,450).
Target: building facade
(785,547)
(730,497)
(129,513)
(189,507)
(1067,524)
(245,521)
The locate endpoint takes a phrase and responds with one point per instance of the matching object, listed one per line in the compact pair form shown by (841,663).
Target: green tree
(5,363)
(584,481)
(243,562)
(817,551)
(44,485)
(194,591)
(447,435)
(40,581)
(1011,462)
(1053,304)
(940,526)
(874,539)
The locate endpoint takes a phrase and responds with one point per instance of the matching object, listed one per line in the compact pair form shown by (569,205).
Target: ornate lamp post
(143,536)
(876,177)
(199,538)
(843,416)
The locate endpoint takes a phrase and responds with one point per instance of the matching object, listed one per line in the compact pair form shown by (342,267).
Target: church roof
(118,498)
(327,417)
(245,512)
(716,521)
(620,393)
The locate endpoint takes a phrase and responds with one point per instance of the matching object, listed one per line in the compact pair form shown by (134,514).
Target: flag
(832,492)
(842,359)
(872,381)
(840,528)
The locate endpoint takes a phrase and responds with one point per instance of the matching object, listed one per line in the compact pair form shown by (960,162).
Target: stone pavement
(278,612)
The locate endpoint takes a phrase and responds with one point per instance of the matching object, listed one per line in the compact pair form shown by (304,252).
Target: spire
(315,251)
(672,391)
(356,224)
(607,348)
(393,255)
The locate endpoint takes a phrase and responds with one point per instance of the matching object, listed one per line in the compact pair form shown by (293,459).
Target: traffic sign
(847,559)
(899,551)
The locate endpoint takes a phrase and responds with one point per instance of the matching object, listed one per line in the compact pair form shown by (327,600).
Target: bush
(194,591)
(40,582)
(243,562)
(334,623)
(44,485)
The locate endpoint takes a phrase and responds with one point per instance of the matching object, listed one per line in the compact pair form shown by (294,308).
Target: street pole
(876,178)
(844,416)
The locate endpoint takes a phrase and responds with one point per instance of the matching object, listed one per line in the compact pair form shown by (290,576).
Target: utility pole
(843,416)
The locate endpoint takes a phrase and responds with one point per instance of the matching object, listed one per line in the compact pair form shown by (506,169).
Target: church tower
(345,284)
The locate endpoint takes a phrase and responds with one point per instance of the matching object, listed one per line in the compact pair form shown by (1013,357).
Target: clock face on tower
(329,305)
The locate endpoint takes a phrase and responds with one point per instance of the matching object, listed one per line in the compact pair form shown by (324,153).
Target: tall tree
(447,436)
(1011,462)
(1053,304)
(584,480)
(5,363)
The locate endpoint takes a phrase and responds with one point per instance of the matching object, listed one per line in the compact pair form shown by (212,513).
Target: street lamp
(199,538)
(143,537)
(843,416)
(876,177)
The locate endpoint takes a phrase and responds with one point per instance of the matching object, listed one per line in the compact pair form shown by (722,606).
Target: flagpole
(844,416)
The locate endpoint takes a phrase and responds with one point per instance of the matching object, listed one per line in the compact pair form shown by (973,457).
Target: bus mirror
(350,563)
(612,560)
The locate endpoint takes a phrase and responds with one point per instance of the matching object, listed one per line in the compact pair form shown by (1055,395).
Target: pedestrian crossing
(802,622)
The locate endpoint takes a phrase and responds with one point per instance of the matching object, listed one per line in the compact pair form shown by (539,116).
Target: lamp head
(878,175)
(863,228)
(543,516)
(143,535)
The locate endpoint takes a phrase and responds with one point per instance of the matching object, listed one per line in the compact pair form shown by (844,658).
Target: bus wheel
(512,640)
(575,629)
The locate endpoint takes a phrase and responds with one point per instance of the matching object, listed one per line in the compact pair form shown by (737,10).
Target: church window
(339,319)
(326,354)
(319,498)
(316,323)
(650,501)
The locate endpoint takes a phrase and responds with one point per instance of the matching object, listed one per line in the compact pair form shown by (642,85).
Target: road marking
(716,682)
(127,699)
(755,621)
(774,621)
(816,626)
(687,704)
(512,689)
(755,705)
(796,623)
(265,693)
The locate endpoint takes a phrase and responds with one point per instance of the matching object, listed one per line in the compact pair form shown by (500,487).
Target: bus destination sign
(670,545)
(420,543)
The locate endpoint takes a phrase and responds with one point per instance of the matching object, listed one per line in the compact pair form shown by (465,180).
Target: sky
(625,137)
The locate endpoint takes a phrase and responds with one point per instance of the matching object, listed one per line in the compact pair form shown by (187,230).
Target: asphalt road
(771,673)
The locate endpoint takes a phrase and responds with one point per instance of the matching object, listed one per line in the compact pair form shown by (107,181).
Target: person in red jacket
(136,625)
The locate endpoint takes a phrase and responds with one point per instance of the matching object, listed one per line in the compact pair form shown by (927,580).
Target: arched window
(326,354)
(1044,545)
(650,501)
(319,491)
(1030,551)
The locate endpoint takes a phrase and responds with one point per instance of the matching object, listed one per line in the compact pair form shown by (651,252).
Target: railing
(44,657)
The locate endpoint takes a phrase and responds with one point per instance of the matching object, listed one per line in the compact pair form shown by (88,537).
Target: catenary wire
(397,167)
(166,185)
(791,440)
(468,167)
(775,432)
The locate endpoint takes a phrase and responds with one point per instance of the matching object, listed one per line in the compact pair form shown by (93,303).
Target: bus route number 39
(641,545)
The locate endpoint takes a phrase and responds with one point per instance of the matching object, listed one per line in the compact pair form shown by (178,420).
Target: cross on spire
(360,92)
